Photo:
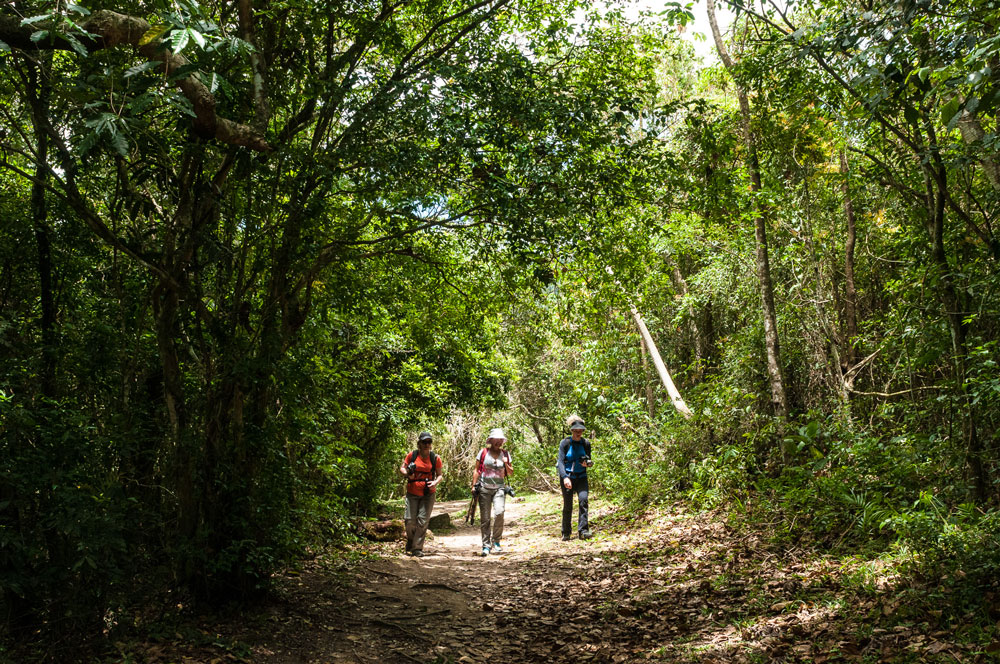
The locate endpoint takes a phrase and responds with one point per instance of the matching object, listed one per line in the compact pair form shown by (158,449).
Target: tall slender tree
(763,263)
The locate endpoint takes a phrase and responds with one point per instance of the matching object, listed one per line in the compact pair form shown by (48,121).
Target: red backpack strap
(482,461)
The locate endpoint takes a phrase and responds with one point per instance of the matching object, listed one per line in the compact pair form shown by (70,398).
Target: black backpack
(413,458)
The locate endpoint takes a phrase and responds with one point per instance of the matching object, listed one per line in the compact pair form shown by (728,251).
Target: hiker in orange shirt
(422,470)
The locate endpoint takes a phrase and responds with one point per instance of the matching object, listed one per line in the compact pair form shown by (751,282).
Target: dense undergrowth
(838,490)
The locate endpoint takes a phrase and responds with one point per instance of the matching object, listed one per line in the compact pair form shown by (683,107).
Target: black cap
(577,424)
(424,435)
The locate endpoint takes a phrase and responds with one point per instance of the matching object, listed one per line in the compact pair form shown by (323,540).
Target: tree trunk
(38,93)
(972,133)
(850,293)
(936,178)
(771,340)
(21,610)
(538,433)
(707,329)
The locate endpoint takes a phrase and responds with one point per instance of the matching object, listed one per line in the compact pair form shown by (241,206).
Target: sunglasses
(426,442)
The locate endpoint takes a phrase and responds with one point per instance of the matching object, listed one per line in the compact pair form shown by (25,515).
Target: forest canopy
(250,248)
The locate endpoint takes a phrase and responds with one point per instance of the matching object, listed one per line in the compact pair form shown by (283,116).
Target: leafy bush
(959,548)
(68,533)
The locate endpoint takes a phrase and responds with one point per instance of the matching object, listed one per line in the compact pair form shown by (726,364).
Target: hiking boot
(566,538)
(417,553)
(496,548)
(486,551)
(409,547)
(584,534)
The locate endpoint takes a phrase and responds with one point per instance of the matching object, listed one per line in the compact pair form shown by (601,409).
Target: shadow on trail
(680,589)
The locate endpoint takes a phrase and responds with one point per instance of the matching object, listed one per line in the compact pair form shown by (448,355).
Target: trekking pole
(470,513)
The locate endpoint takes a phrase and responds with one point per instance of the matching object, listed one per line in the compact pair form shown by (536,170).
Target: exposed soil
(672,587)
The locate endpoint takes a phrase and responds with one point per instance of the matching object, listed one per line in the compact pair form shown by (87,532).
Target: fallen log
(383,531)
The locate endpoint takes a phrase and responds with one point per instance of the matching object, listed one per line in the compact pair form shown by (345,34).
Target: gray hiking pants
(418,513)
(491,506)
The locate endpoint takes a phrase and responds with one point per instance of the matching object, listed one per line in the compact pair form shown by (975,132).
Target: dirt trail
(671,587)
(452,605)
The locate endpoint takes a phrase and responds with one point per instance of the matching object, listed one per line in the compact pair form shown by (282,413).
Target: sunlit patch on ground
(668,586)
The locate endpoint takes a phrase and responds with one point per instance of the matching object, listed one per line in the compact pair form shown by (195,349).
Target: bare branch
(896,394)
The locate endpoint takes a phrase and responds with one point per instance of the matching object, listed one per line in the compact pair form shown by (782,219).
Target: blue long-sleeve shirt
(570,454)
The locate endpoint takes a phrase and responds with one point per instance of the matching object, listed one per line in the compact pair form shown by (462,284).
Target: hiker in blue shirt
(574,459)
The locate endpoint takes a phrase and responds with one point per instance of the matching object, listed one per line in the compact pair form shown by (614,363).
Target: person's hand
(567,483)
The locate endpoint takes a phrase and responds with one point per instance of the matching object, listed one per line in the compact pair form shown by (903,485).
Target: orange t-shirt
(415,485)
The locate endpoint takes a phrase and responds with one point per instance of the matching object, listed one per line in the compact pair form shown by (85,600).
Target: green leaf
(88,143)
(39,35)
(911,115)
(197,37)
(35,19)
(950,110)
(178,40)
(76,44)
(141,68)
(83,11)
(4,46)
(119,143)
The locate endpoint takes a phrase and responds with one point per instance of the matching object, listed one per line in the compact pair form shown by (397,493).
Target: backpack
(573,447)
(482,461)
(412,457)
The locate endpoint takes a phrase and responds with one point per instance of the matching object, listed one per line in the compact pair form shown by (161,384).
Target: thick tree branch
(329,252)
(108,29)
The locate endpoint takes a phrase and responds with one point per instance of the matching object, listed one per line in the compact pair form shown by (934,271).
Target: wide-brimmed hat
(496,434)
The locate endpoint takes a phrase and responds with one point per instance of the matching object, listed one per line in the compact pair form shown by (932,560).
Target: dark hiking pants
(582,489)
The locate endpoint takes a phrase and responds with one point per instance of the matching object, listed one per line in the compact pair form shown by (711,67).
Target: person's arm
(477,472)
(439,470)
(402,467)
(561,464)
(561,460)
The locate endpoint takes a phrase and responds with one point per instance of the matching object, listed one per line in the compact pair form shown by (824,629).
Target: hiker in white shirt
(492,468)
